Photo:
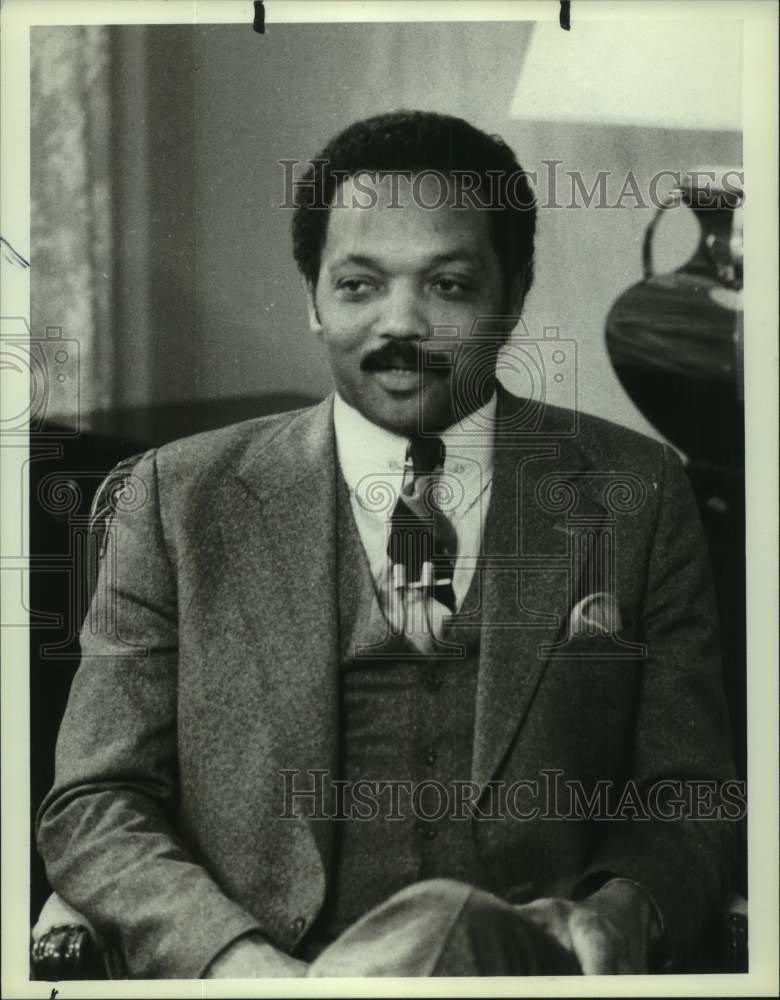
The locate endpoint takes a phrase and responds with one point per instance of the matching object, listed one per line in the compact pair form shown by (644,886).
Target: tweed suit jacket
(210,659)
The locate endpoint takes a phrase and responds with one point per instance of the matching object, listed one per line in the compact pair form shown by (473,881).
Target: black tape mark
(259,22)
(565,15)
(11,255)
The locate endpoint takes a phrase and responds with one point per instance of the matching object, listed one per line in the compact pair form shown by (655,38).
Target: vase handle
(673,199)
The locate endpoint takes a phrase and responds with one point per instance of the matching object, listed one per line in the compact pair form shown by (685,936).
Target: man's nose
(403,315)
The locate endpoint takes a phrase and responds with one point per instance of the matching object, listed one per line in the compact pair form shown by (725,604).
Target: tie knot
(427,454)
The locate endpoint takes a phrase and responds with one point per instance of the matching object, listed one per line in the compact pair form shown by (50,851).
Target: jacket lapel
(280,538)
(527,581)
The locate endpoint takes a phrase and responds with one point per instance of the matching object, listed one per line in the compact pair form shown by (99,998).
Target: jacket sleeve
(106,829)
(681,847)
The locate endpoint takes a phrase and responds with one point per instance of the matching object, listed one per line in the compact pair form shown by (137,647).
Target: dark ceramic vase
(675,340)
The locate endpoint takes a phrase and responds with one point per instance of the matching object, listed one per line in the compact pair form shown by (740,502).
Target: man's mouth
(393,357)
(402,380)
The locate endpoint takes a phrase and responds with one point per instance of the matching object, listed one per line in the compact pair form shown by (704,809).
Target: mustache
(407,354)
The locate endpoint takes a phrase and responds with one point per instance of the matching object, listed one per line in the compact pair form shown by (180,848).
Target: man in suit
(423,587)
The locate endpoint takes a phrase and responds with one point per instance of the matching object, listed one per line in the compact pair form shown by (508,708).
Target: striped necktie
(423,544)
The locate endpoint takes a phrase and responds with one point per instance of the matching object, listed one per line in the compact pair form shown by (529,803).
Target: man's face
(392,270)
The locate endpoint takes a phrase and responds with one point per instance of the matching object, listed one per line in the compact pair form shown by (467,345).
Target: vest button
(426,830)
(297,925)
(430,755)
(433,679)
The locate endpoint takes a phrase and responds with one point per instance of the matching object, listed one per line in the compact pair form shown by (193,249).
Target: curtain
(71,232)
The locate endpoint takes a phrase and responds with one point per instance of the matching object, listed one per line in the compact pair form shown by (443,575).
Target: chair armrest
(64,946)
(736,932)
(66,952)
(722,945)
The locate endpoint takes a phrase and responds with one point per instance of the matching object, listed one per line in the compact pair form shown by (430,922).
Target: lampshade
(668,74)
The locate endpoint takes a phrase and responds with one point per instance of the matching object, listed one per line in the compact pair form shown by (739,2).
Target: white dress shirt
(372,463)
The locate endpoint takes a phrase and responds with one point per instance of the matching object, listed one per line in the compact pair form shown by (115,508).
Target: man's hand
(251,957)
(609,932)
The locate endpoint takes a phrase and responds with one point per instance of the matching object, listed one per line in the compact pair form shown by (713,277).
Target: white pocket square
(596,614)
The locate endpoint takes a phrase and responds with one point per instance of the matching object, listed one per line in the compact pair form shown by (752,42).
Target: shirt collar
(368,453)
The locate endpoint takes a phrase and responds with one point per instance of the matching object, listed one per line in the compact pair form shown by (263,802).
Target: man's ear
(517,290)
(315,325)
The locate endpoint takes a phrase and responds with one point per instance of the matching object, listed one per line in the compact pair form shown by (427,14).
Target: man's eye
(355,286)
(452,286)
